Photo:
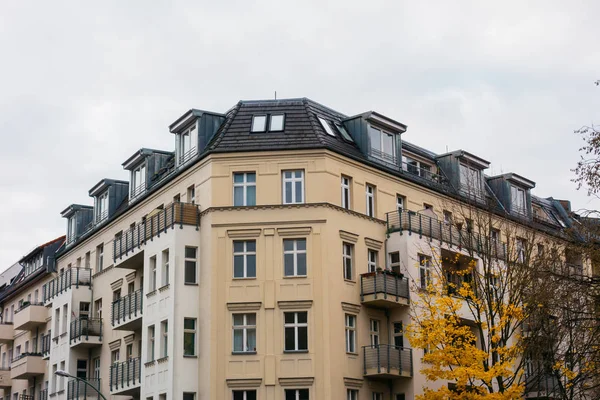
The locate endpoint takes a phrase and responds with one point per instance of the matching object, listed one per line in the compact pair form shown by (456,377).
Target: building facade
(250,263)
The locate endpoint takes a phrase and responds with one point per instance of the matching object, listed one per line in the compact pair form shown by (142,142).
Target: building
(248,263)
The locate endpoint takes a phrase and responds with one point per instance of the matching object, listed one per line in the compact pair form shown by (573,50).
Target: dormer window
(102,207)
(416,167)
(518,199)
(344,132)
(382,144)
(71,229)
(326,126)
(188,141)
(470,180)
(138,181)
(259,123)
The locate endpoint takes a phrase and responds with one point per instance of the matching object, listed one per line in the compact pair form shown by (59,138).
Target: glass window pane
(288,245)
(301,244)
(238,196)
(251,267)
(298,198)
(188,343)
(276,123)
(290,394)
(251,196)
(287,174)
(303,394)
(238,246)
(251,245)
(250,394)
(190,272)
(375,138)
(238,340)
(251,335)
(238,178)
(250,319)
(288,192)
(238,319)
(289,318)
(238,266)
(258,123)
(189,323)
(302,317)
(302,338)
(289,265)
(251,177)
(289,339)
(301,264)
(190,252)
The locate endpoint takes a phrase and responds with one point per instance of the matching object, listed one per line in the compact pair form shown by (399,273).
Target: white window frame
(192,332)
(326,126)
(271,122)
(164,333)
(518,196)
(470,178)
(97,369)
(351,394)
(347,260)
(100,257)
(424,271)
(346,184)
(253,123)
(102,207)
(151,343)
(296,325)
(165,267)
(370,199)
(245,184)
(292,180)
(382,134)
(187,144)
(350,333)
(296,392)
(244,254)
(374,332)
(295,252)
(245,328)
(138,180)
(195,261)
(245,393)
(153,278)
(400,202)
(398,334)
(520,245)
(372,256)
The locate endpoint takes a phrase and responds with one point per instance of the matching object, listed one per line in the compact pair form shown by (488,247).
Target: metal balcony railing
(44,394)
(125,374)
(83,328)
(127,307)
(433,228)
(386,359)
(71,277)
(79,390)
(188,155)
(45,345)
(27,354)
(546,383)
(25,397)
(176,213)
(383,156)
(135,192)
(384,283)
(425,173)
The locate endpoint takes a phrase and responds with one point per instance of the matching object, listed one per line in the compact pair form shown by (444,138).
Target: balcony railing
(125,375)
(423,225)
(27,304)
(425,173)
(384,286)
(187,156)
(172,214)
(83,328)
(44,394)
(71,277)
(135,192)
(26,397)
(543,385)
(45,345)
(27,354)
(386,360)
(79,390)
(127,308)
(384,157)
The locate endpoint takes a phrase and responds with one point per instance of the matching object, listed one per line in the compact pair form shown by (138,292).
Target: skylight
(276,122)
(344,132)
(326,126)
(259,123)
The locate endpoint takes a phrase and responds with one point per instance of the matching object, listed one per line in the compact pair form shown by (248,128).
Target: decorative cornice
(130,277)
(373,244)
(296,231)
(129,338)
(353,382)
(244,383)
(244,306)
(295,304)
(348,236)
(116,284)
(244,233)
(303,381)
(351,308)
(114,345)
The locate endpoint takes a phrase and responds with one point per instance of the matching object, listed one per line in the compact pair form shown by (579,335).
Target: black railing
(27,354)
(125,374)
(384,284)
(71,277)
(188,155)
(44,394)
(135,192)
(383,156)
(127,308)
(27,304)
(26,397)
(83,328)
(79,390)
(45,346)
(388,359)
(425,173)
(159,223)
(433,228)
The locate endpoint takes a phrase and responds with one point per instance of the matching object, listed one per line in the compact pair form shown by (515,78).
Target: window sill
(242,353)
(150,363)
(248,278)
(350,353)
(162,360)
(190,284)
(189,356)
(295,277)
(350,281)
(61,391)
(163,288)
(150,294)
(295,351)
(63,334)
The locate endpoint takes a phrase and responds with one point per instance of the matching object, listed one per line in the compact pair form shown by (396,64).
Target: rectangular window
(296,394)
(370,194)
(190,265)
(518,198)
(470,180)
(244,259)
(152,276)
(65,324)
(191,194)
(294,257)
(96,364)
(165,267)
(520,243)
(244,189)
(138,181)
(372,260)
(244,333)
(395,261)
(374,332)
(293,187)
(98,308)
(382,145)
(350,333)
(162,396)
(244,395)
(352,394)
(164,330)
(447,217)
(347,254)
(346,184)
(398,334)
(377,396)
(82,369)
(151,341)
(102,207)
(99,257)
(115,356)
(276,122)
(189,396)
(189,336)
(259,123)
(400,202)
(424,271)
(87,259)
(296,331)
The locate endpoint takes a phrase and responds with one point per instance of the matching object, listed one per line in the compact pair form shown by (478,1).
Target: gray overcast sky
(83,85)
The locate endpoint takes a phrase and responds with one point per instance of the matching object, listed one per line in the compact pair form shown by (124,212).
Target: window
(372,260)
(344,132)
(470,179)
(102,207)
(350,333)
(293,187)
(151,341)
(98,308)
(244,189)
(244,333)
(495,236)
(382,145)
(447,217)
(370,193)
(61,382)
(164,330)
(395,261)
(187,144)
(520,243)
(469,224)
(244,395)
(190,265)
(352,394)
(259,123)
(177,198)
(189,396)
(519,203)
(99,257)
(400,202)
(296,394)
(152,274)
(377,396)
(165,267)
(82,369)
(162,396)
(96,364)
(115,355)
(189,336)
(347,254)
(296,331)
(138,181)
(276,123)
(244,259)
(71,229)
(326,127)
(87,259)
(398,334)
(56,322)
(424,271)
(294,256)
(191,194)
(65,324)
(84,310)
(427,206)
(374,332)
(346,183)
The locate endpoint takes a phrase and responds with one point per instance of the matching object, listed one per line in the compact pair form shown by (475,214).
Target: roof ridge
(218,136)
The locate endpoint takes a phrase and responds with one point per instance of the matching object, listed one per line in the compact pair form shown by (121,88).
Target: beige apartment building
(250,263)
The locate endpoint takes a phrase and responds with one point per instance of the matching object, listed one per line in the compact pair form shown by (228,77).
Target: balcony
(126,313)
(409,222)
(86,332)
(425,174)
(6,332)
(29,316)
(385,361)
(46,346)
(78,390)
(44,394)
(542,386)
(5,379)
(125,377)
(172,215)
(383,289)
(27,365)
(63,282)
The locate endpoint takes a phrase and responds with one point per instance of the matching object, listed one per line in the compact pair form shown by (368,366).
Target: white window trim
(424,270)
(370,198)
(347,255)
(195,260)
(350,333)
(193,332)
(244,253)
(244,185)
(345,184)
(292,181)
(295,252)
(374,332)
(264,126)
(372,260)
(245,327)
(296,325)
